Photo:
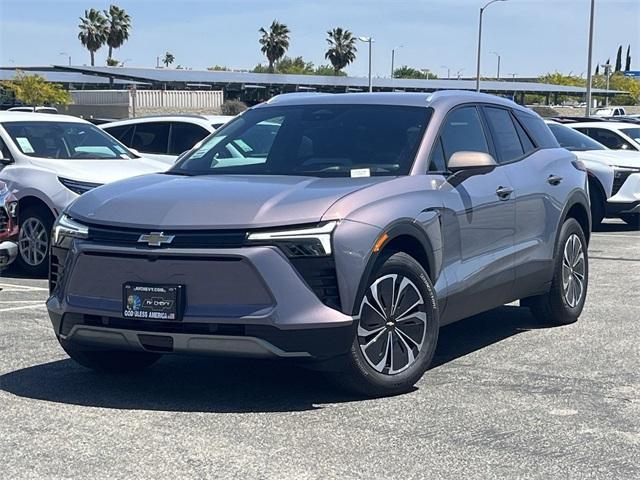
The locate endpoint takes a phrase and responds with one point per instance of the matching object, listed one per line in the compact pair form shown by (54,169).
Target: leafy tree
(409,72)
(93,31)
(112,62)
(34,90)
(219,68)
(342,48)
(260,68)
(598,69)
(295,66)
(168,59)
(118,27)
(627,65)
(558,78)
(619,59)
(328,70)
(275,42)
(627,84)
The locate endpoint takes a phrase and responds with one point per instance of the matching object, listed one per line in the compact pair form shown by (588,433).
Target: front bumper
(626,198)
(243,302)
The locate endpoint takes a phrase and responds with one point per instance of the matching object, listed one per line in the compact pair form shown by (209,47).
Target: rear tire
(397,332)
(34,241)
(563,303)
(110,361)
(632,219)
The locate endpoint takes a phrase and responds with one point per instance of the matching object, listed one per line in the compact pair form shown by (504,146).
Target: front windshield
(313,140)
(633,132)
(65,141)
(573,140)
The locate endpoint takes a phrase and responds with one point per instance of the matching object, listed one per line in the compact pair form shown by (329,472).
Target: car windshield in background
(313,140)
(632,132)
(573,140)
(64,141)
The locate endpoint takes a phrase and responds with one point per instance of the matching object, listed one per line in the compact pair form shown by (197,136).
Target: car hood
(620,158)
(164,201)
(100,171)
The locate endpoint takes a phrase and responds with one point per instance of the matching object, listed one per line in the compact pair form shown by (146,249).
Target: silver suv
(342,230)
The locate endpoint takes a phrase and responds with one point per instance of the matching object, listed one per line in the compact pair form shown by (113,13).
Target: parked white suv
(610,112)
(164,138)
(47,161)
(614,175)
(613,135)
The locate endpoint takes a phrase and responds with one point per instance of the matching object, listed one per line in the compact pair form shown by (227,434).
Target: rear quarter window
(537,129)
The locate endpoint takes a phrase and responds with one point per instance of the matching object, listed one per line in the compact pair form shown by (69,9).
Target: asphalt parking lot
(506,398)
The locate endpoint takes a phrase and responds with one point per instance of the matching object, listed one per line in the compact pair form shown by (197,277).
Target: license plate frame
(153,301)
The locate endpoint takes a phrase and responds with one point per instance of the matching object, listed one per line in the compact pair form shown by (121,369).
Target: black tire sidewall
(46,218)
(406,265)
(570,227)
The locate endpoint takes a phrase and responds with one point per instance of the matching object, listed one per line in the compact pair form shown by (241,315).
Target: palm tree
(275,42)
(168,59)
(119,26)
(342,48)
(93,31)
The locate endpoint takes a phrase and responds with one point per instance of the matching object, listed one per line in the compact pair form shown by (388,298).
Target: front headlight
(76,186)
(303,242)
(66,227)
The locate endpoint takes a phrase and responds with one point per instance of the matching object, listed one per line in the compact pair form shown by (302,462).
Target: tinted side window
(184,136)
(462,131)
(124,133)
(527,144)
(437,162)
(151,137)
(537,130)
(608,139)
(505,136)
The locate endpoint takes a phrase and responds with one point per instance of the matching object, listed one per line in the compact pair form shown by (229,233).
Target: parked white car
(614,175)
(610,112)
(48,161)
(34,109)
(613,135)
(164,138)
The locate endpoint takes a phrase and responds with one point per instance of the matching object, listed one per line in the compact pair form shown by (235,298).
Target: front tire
(397,329)
(110,361)
(33,241)
(564,302)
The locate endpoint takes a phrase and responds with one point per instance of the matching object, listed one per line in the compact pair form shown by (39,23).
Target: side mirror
(460,161)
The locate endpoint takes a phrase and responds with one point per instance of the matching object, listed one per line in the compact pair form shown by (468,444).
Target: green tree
(342,48)
(295,66)
(274,43)
(328,70)
(627,84)
(93,31)
(112,62)
(219,68)
(619,59)
(409,72)
(118,27)
(558,78)
(34,90)
(168,59)
(627,64)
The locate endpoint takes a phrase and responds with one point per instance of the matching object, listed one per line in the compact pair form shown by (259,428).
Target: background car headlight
(302,242)
(66,227)
(76,186)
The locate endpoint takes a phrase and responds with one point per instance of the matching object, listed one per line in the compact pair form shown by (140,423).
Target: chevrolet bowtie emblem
(156,239)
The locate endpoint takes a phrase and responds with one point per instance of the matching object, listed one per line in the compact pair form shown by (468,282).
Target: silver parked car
(343,230)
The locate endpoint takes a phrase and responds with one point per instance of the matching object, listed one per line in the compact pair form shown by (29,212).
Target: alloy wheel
(392,324)
(33,241)
(573,271)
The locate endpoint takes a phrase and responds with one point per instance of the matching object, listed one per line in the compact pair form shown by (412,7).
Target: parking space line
(23,307)
(23,288)
(637,237)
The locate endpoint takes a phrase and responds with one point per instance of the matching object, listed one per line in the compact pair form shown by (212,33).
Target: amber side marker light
(378,245)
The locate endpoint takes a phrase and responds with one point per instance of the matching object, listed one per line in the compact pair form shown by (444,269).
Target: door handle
(554,179)
(504,192)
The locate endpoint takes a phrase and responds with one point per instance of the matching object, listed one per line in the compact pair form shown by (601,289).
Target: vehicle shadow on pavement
(201,384)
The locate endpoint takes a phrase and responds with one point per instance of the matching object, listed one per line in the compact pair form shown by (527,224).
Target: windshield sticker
(360,172)
(25,145)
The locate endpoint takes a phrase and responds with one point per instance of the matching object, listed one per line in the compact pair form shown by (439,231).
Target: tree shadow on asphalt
(202,384)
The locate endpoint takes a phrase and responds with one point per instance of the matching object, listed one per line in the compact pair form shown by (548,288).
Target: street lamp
(459,73)
(66,55)
(480,42)
(448,71)
(589,58)
(498,73)
(393,58)
(368,40)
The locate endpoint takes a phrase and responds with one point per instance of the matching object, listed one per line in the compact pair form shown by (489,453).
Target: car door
(536,172)
(478,220)
(151,139)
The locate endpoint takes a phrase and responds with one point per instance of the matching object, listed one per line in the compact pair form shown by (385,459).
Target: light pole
(459,73)
(589,58)
(393,58)
(480,42)
(66,55)
(498,72)
(448,71)
(368,40)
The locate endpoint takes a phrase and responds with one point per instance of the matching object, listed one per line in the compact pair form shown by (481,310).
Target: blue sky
(532,36)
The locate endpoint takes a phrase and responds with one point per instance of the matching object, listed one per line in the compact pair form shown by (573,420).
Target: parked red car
(8,226)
